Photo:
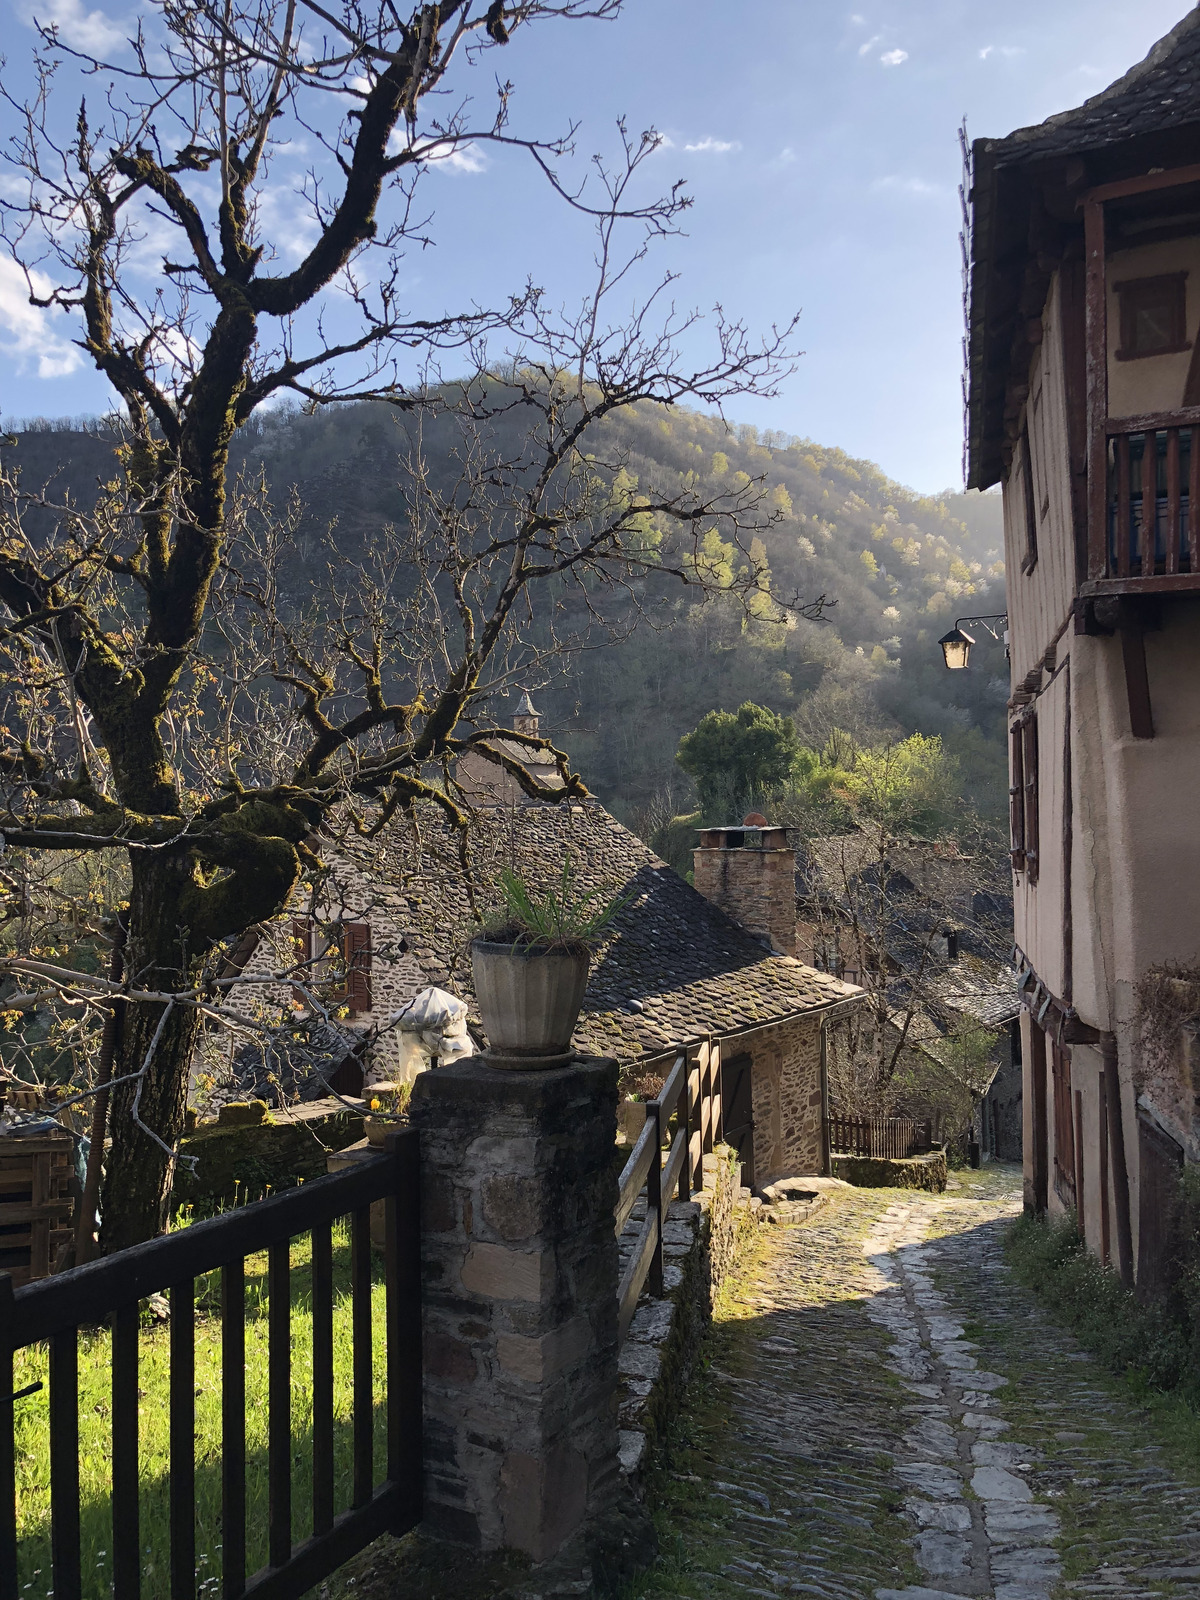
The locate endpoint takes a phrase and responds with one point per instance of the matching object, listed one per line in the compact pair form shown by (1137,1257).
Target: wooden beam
(1147,183)
(1096,367)
(1161,583)
(1153,421)
(1137,679)
(1120,1171)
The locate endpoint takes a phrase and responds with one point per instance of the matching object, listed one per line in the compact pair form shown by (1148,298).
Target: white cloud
(1008,51)
(921,187)
(90,31)
(859,22)
(460,158)
(26,336)
(865,49)
(893,58)
(709,145)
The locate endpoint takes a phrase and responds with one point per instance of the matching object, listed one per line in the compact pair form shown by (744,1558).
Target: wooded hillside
(895,568)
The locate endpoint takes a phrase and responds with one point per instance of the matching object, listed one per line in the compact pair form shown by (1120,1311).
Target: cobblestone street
(885,1413)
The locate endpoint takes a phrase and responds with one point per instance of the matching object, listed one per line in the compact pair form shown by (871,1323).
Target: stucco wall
(1151,383)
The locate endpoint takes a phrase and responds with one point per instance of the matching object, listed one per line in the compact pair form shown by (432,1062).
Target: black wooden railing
(890,1138)
(684,1122)
(55,1309)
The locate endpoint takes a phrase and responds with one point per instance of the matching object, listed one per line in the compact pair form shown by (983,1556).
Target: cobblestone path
(885,1415)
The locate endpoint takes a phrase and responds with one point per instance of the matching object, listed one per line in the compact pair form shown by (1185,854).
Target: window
(1023,821)
(1153,316)
(334,959)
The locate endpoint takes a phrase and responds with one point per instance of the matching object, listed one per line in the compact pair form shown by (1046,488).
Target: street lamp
(956,645)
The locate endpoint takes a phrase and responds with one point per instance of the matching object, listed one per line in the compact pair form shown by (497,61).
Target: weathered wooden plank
(1173,500)
(633,1174)
(634,1277)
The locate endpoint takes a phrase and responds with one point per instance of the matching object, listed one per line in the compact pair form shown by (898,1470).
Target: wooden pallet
(35,1204)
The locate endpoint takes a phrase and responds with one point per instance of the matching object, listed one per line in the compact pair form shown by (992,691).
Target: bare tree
(168,698)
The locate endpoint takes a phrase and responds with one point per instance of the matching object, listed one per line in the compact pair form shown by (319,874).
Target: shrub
(1155,1344)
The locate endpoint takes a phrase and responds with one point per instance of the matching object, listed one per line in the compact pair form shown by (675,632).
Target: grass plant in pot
(530,965)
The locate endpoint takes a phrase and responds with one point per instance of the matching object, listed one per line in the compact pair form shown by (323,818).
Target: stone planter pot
(529,1001)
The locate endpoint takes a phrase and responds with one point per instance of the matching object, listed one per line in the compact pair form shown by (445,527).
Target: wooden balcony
(1146,540)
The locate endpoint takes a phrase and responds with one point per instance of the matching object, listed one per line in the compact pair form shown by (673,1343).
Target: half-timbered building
(1084,403)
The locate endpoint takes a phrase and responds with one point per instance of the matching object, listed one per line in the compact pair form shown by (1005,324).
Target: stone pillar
(519,1269)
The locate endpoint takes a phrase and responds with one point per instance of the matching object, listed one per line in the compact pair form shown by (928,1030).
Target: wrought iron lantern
(956,645)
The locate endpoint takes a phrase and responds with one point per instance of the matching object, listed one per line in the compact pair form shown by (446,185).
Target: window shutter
(358,966)
(1016,799)
(302,947)
(1030,753)
(1030,502)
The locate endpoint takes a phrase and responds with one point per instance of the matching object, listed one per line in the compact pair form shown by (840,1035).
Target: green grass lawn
(95,1436)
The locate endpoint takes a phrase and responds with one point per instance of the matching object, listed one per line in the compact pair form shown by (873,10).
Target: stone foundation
(664,1337)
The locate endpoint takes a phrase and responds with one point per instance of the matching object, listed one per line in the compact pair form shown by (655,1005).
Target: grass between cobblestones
(1119,1462)
(729,1510)
(1155,1347)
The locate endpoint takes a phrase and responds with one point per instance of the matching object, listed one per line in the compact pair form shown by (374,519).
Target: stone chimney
(525,718)
(750,872)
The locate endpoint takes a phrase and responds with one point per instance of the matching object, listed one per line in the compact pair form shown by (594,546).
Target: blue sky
(819,143)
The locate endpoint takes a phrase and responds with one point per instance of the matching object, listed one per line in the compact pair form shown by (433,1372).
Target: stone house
(1084,404)
(393,915)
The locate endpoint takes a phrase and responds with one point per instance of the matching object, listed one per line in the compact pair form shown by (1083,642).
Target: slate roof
(676,967)
(970,989)
(1149,117)
(1159,93)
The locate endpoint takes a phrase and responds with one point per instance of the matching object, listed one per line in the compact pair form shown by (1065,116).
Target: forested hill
(896,570)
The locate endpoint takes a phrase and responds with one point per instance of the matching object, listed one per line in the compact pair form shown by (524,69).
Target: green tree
(739,756)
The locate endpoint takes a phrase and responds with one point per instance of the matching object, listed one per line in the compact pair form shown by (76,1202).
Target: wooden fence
(683,1122)
(888,1137)
(110,1290)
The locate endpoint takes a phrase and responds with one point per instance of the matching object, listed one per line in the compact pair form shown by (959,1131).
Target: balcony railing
(1149,540)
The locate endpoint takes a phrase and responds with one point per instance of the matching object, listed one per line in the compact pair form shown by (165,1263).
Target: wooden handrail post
(654,1200)
(683,1130)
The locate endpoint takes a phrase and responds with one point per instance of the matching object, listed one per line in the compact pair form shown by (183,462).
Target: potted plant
(530,966)
(387,1110)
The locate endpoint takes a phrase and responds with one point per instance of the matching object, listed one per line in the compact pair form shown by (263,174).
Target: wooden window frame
(354,992)
(1130,291)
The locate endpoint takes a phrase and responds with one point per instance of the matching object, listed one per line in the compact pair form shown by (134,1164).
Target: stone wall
(351,895)
(248,1151)
(664,1337)
(787,1098)
(910,1172)
(757,888)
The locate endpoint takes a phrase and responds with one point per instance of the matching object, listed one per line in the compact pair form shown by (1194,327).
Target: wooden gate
(1160,1161)
(737,1100)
